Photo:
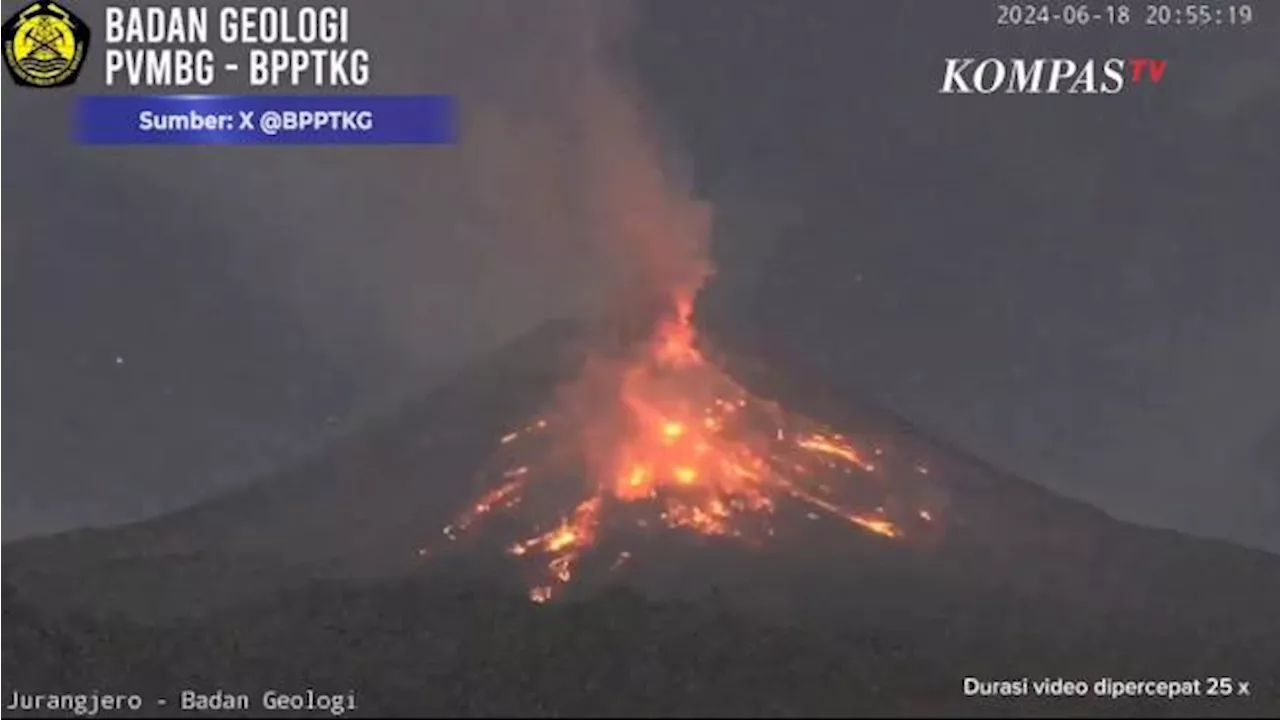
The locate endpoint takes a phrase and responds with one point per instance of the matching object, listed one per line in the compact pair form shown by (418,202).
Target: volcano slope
(336,575)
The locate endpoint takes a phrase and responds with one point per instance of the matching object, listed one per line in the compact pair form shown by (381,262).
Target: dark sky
(1082,290)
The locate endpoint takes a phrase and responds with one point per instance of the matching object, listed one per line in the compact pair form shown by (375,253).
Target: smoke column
(557,201)
(653,235)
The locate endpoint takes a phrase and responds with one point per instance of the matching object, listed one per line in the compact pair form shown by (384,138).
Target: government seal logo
(45,45)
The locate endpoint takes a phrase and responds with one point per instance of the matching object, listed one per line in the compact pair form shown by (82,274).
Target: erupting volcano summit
(664,437)
(654,434)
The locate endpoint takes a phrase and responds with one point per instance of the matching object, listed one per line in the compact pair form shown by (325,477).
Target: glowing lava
(669,431)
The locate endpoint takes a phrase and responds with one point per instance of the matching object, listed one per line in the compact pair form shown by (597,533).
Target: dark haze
(1080,290)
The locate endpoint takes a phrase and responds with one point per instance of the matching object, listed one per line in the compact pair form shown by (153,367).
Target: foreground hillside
(409,649)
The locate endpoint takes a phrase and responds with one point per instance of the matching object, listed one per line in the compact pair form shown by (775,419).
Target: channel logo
(1048,76)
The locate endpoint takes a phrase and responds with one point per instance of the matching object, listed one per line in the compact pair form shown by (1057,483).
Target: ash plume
(653,234)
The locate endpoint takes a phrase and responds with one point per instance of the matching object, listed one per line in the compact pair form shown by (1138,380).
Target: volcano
(575,449)
(659,436)
(746,514)
(571,446)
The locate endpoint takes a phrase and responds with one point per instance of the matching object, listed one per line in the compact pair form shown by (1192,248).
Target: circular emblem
(45,45)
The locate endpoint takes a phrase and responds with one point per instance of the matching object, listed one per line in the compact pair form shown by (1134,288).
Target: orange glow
(670,430)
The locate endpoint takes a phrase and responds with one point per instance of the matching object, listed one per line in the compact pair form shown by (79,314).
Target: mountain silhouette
(334,574)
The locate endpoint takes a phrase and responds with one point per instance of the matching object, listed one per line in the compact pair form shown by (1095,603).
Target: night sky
(1080,290)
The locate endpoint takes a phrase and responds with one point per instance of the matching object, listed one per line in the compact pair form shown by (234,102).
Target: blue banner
(265,119)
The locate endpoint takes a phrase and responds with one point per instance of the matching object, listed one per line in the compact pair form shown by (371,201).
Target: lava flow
(670,433)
